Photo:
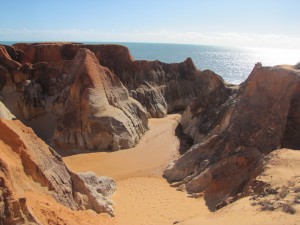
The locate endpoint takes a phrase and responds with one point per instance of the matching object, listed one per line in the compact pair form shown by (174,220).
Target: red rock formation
(83,104)
(29,167)
(232,130)
(49,88)
(160,87)
(98,112)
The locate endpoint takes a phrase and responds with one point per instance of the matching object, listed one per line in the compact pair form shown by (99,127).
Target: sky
(247,23)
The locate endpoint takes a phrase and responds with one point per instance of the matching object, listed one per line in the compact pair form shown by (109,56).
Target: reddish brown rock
(47,88)
(233,129)
(98,112)
(75,104)
(29,167)
(161,88)
(6,60)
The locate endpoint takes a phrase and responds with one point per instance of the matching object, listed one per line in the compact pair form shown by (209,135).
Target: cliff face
(160,87)
(233,132)
(28,167)
(79,94)
(98,112)
(75,103)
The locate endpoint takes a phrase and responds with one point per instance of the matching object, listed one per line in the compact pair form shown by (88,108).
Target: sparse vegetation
(297,199)
(283,192)
(289,209)
(297,189)
(297,66)
(267,205)
(279,198)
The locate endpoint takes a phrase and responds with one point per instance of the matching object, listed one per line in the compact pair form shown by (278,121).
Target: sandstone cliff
(73,103)
(160,87)
(232,132)
(98,112)
(79,94)
(28,167)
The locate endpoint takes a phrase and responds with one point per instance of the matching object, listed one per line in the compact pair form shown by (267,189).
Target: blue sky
(255,23)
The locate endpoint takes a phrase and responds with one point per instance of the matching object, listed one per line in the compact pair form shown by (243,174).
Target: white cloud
(225,39)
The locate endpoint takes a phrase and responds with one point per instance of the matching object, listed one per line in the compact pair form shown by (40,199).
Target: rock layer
(234,129)
(160,87)
(98,112)
(28,165)
(82,104)
(91,109)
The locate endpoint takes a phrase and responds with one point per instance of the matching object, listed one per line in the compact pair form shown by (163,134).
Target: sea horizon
(234,64)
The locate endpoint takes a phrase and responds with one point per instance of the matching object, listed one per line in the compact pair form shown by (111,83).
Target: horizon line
(143,42)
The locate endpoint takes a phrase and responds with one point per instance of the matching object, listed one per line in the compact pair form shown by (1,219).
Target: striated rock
(234,129)
(79,94)
(28,166)
(6,60)
(98,112)
(160,87)
(82,104)
(151,99)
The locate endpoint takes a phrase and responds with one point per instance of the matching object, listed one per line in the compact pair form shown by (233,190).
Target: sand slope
(143,196)
(148,158)
(282,170)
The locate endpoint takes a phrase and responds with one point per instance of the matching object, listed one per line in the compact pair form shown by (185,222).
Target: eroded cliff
(28,167)
(234,130)
(73,103)
(160,87)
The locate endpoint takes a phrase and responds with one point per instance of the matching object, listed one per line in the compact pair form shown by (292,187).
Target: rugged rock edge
(28,165)
(234,130)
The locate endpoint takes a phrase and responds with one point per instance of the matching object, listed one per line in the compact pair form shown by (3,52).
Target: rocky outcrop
(160,87)
(79,94)
(234,129)
(93,192)
(175,84)
(98,112)
(28,165)
(72,103)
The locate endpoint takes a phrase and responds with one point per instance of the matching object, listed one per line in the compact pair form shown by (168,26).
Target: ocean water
(233,64)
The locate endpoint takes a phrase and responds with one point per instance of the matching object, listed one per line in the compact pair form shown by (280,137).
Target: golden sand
(143,196)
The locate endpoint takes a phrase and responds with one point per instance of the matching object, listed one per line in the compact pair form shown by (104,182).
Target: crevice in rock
(185,141)
(292,130)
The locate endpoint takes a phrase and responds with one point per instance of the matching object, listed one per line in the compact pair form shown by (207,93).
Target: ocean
(233,64)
